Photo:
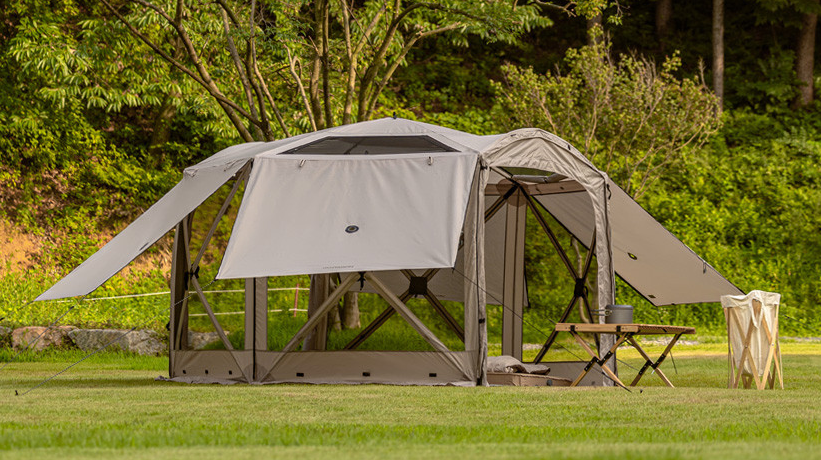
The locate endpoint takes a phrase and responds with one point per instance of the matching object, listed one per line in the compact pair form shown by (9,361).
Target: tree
(664,20)
(805,54)
(632,119)
(718,50)
(307,65)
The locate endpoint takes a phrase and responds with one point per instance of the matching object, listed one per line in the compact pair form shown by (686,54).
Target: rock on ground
(143,342)
(49,337)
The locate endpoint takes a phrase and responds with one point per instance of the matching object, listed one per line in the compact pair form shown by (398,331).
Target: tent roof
(663,269)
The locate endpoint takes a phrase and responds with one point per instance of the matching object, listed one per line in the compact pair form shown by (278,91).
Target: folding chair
(754,355)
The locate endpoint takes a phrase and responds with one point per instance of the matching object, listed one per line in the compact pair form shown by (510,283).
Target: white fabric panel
(748,317)
(664,269)
(409,210)
(448,284)
(195,187)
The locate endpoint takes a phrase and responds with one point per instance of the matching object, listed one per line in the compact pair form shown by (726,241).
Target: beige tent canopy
(408,209)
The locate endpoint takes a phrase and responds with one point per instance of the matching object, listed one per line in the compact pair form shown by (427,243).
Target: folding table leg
(648,362)
(597,360)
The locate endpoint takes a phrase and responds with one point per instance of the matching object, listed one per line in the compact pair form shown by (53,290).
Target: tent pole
(580,292)
(178,321)
(445,314)
(211,315)
(375,324)
(450,321)
(552,236)
(387,313)
(513,294)
(243,174)
(322,310)
(256,318)
(406,314)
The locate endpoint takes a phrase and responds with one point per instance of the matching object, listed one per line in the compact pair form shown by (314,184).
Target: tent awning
(194,188)
(645,254)
(344,213)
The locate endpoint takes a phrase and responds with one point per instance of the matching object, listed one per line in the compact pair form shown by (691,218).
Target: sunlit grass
(110,406)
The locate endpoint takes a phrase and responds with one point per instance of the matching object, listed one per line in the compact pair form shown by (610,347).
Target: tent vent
(230,372)
(366,374)
(432,374)
(370,145)
(300,374)
(206,372)
(183,371)
(632,256)
(351,229)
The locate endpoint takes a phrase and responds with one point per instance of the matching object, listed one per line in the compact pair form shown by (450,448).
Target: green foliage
(770,83)
(750,202)
(629,117)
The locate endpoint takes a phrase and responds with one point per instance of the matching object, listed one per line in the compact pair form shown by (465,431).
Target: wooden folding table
(625,333)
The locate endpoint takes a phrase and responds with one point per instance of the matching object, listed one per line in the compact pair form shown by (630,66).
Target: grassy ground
(110,406)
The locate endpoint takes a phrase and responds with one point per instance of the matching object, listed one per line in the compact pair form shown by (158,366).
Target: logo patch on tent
(351,229)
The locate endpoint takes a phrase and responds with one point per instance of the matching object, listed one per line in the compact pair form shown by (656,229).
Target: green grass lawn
(110,406)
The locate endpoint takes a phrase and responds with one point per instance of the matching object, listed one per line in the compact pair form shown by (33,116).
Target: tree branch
(389,73)
(227,105)
(292,61)
(241,71)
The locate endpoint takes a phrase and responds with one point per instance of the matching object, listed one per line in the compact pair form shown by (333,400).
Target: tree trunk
(805,54)
(718,50)
(594,38)
(317,338)
(664,23)
(350,311)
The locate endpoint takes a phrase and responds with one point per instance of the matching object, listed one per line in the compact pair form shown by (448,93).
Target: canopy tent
(408,209)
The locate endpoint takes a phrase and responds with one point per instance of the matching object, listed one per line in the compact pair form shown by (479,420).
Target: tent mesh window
(371,145)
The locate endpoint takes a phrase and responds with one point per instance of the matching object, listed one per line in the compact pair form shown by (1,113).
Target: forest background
(717,135)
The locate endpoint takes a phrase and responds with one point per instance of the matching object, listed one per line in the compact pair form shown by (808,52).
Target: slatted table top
(618,328)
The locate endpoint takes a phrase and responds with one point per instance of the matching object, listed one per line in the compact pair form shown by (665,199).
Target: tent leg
(256,319)
(513,293)
(178,323)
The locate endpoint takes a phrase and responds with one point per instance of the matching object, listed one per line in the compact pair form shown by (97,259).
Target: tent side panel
(195,187)
(305,214)
(386,367)
(474,285)
(213,364)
